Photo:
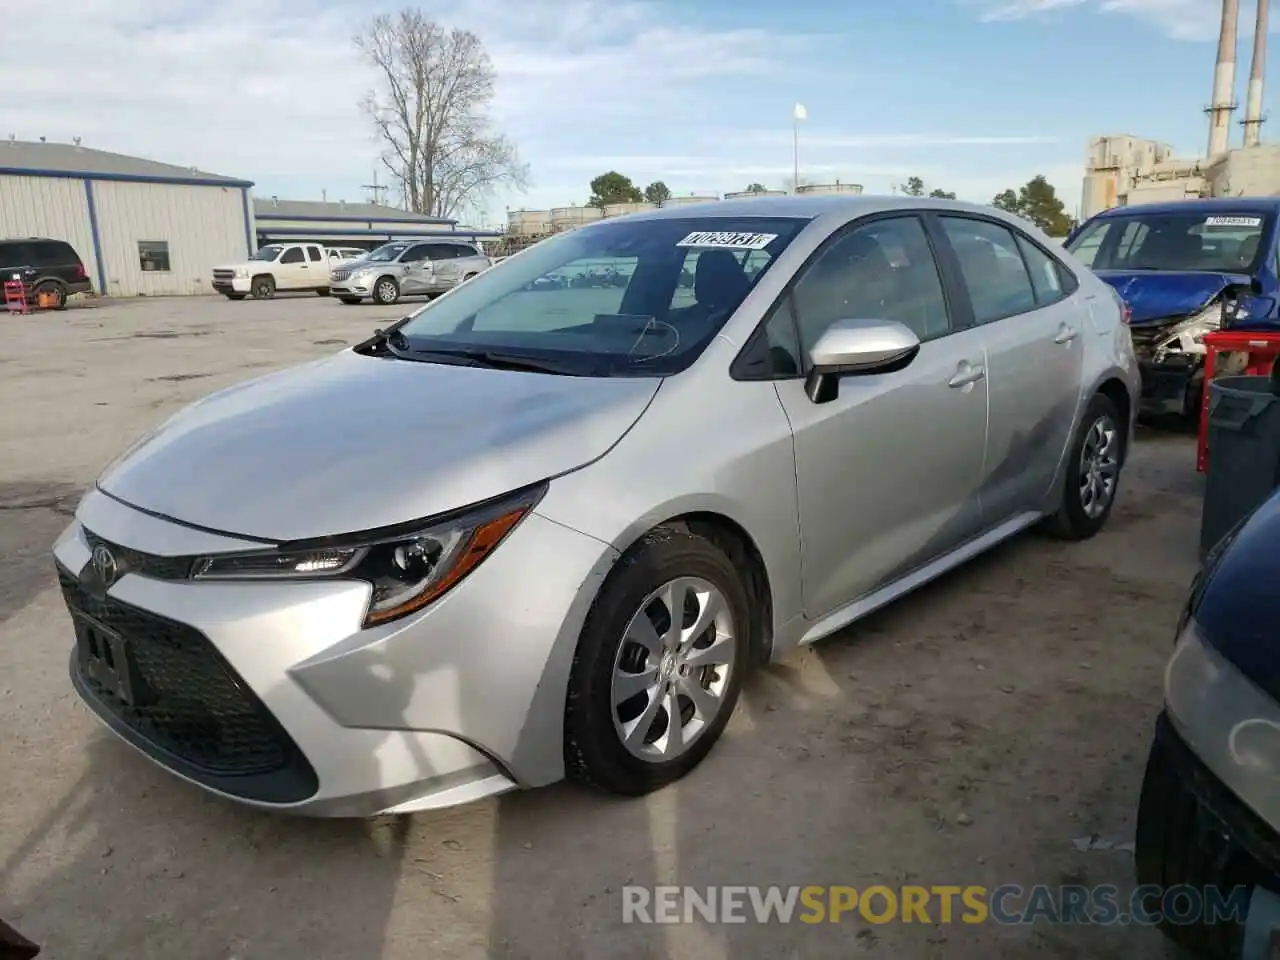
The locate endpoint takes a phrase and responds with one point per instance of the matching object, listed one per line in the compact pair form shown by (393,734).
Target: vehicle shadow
(133,862)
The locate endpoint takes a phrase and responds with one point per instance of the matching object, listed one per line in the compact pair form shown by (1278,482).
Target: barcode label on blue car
(1233,222)
(730,241)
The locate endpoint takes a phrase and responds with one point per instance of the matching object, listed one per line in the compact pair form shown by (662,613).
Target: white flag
(799,112)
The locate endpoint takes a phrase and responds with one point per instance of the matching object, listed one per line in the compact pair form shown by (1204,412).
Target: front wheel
(659,665)
(1093,473)
(386,291)
(263,287)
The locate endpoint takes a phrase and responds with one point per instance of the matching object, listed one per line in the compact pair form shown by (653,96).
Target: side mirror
(857,348)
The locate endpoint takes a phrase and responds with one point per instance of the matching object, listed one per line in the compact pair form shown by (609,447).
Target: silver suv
(408,268)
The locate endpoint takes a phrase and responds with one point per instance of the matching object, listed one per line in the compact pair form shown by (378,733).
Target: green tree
(657,192)
(755,188)
(942,195)
(1007,201)
(613,187)
(1039,203)
(914,187)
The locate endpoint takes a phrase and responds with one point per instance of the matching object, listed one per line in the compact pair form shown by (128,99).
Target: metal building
(141,227)
(338,223)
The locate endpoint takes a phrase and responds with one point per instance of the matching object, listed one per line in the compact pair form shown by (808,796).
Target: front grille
(1192,830)
(340,275)
(186,699)
(224,274)
(144,564)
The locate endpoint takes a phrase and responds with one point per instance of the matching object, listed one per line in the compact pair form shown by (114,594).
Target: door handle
(967,373)
(1066,334)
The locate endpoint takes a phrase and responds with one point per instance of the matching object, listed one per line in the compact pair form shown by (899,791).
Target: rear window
(1220,242)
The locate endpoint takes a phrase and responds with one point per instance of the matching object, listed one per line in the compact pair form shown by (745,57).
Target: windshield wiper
(398,345)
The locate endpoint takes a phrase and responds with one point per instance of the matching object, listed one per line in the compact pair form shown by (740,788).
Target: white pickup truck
(276,266)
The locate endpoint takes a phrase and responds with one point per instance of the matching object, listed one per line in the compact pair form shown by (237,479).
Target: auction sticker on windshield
(1233,222)
(729,241)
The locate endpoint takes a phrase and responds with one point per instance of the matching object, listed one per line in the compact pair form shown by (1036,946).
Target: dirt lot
(967,735)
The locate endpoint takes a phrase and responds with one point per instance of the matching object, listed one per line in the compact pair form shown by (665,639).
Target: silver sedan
(546,524)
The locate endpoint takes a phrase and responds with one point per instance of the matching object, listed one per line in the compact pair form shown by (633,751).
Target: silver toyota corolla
(545,525)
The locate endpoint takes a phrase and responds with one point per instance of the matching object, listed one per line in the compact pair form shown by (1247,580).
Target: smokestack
(1253,105)
(1224,81)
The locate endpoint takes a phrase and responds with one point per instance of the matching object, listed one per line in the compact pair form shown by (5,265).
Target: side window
(46,254)
(881,271)
(417,254)
(465,250)
(445,251)
(15,255)
(314,254)
(292,255)
(1046,273)
(993,270)
(773,352)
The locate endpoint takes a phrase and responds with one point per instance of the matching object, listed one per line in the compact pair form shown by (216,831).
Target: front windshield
(629,298)
(1182,241)
(269,252)
(387,252)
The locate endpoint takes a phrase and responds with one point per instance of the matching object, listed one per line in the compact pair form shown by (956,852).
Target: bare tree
(432,114)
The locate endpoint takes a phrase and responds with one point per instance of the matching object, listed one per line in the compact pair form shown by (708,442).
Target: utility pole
(375,189)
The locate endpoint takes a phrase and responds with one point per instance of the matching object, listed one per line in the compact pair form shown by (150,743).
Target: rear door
(445,263)
(14,255)
(1033,334)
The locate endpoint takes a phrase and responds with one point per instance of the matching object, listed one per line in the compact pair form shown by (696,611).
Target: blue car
(1209,813)
(1185,268)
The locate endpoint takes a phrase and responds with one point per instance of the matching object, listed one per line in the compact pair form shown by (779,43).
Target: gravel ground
(966,735)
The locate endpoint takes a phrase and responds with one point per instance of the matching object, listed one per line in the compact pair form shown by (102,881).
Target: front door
(1034,336)
(888,472)
(291,269)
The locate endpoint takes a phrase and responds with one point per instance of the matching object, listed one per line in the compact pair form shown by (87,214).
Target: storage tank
(1101,192)
(755,193)
(622,209)
(836,187)
(528,223)
(566,218)
(691,198)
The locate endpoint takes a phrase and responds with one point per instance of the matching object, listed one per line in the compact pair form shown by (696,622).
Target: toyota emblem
(104,563)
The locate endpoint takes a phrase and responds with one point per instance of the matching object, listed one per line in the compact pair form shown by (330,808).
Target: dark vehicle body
(44,266)
(1185,268)
(1209,814)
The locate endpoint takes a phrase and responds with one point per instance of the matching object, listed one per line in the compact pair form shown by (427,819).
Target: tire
(322,291)
(234,296)
(386,291)
(54,287)
(350,301)
(594,749)
(1075,518)
(263,287)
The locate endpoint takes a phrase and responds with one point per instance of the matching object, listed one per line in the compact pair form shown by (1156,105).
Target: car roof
(805,206)
(1203,206)
(29,239)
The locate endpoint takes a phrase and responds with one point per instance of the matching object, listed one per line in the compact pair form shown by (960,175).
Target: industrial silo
(566,218)
(837,187)
(742,194)
(622,209)
(691,198)
(528,223)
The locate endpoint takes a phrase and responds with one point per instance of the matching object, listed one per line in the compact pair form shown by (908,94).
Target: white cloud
(1193,20)
(268,90)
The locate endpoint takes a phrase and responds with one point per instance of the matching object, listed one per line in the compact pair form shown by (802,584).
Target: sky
(973,96)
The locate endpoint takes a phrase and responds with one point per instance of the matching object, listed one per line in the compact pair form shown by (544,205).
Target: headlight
(407,569)
(361,276)
(1187,336)
(242,273)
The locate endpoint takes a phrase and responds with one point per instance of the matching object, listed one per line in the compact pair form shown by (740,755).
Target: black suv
(45,266)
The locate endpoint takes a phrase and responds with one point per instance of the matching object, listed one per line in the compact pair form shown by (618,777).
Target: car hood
(1160,296)
(352,443)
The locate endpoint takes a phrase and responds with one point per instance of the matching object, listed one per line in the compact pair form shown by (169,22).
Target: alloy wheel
(1099,467)
(386,292)
(672,669)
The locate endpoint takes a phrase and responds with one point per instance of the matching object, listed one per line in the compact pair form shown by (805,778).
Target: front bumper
(272,695)
(1194,832)
(1170,387)
(345,288)
(225,285)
